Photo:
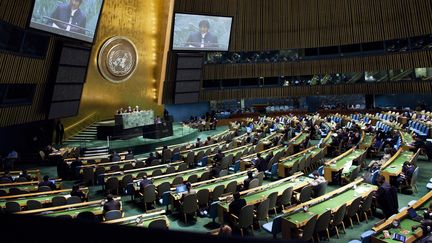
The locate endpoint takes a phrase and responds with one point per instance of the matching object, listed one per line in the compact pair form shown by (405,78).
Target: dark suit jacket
(387,199)
(236,205)
(261,164)
(111,205)
(63,13)
(194,39)
(144,183)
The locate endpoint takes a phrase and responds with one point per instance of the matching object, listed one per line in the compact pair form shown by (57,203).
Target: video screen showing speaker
(77,19)
(201,32)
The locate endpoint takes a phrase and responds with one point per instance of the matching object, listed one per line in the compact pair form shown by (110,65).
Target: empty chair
(353,209)
(167,155)
(205,176)
(308,229)
(170,170)
(163,187)
(58,201)
(126,180)
(86,216)
(223,173)
(141,174)
(253,183)
(189,205)
(274,227)
(413,182)
(272,201)
(260,177)
(17,191)
(3,193)
(88,176)
(73,200)
(337,220)
(262,211)
(98,171)
(128,166)
(198,157)
(158,224)
(178,180)
(305,194)
(366,206)
(64,217)
(192,178)
(114,168)
(320,189)
(231,187)
(322,224)
(12,207)
(155,162)
(139,164)
(148,195)
(203,196)
(157,172)
(285,198)
(217,192)
(113,214)
(182,167)
(33,204)
(189,159)
(112,185)
(104,160)
(245,219)
(44,189)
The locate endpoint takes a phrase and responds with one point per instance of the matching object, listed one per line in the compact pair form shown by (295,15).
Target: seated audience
(48,183)
(248,180)
(150,159)
(236,205)
(6,177)
(144,182)
(386,197)
(111,204)
(78,193)
(25,175)
(260,163)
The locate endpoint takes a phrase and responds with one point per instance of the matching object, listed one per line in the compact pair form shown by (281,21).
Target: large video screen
(201,32)
(76,19)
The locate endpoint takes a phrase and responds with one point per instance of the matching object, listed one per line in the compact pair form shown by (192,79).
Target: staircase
(86,135)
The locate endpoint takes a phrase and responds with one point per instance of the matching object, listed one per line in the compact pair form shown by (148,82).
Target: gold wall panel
(15,69)
(144,22)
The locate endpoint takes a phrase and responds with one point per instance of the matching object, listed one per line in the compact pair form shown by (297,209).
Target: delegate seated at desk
(236,205)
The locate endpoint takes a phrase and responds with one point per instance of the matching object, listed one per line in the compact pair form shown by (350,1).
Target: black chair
(308,229)
(322,224)
(353,209)
(158,224)
(86,216)
(58,201)
(338,217)
(366,206)
(12,207)
(33,204)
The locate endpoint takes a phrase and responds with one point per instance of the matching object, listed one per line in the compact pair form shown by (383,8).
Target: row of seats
(386,117)
(419,128)
(277,108)
(382,126)
(336,119)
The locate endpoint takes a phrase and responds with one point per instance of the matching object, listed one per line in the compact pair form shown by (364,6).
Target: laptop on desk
(181,188)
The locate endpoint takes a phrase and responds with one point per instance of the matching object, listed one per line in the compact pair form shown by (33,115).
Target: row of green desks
(295,218)
(343,163)
(406,223)
(393,167)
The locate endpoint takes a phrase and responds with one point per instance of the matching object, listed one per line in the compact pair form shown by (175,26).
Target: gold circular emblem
(117,59)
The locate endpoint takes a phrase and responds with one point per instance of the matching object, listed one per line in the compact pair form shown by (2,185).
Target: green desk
(299,218)
(212,186)
(367,141)
(44,199)
(405,223)
(261,194)
(95,209)
(149,171)
(394,167)
(285,165)
(28,188)
(340,163)
(300,139)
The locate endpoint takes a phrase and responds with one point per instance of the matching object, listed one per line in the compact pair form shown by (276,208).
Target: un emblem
(117,59)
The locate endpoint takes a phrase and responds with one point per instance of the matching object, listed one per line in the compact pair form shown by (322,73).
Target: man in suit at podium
(69,17)
(203,38)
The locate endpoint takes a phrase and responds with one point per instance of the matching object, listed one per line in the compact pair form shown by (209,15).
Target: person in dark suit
(203,38)
(386,197)
(69,17)
(261,163)
(236,205)
(48,183)
(144,182)
(248,180)
(25,175)
(111,204)
(78,193)
(150,159)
